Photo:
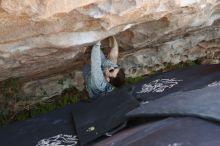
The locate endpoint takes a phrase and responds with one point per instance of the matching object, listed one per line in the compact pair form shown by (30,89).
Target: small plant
(133,80)
(169,66)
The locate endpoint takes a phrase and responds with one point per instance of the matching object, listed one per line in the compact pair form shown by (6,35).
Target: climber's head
(115,76)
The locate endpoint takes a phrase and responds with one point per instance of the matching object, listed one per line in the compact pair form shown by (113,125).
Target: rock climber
(102,75)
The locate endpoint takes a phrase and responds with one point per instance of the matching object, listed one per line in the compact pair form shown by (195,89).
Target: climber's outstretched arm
(97,77)
(113,55)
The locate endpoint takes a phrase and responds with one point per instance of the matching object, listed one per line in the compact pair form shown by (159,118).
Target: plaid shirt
(96,84)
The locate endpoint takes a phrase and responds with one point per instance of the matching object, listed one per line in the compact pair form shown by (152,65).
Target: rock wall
(42,42)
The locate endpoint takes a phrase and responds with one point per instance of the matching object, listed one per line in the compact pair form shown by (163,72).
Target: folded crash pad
(186,79)
(94,119)
(203,103)
(53,128)
(169,132)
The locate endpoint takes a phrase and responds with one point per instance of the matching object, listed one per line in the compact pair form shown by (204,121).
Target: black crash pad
(168,132)
(186,79)
(94,119)
(204,103)
(54,128)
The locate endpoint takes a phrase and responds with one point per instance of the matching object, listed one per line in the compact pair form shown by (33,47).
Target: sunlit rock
(43,40)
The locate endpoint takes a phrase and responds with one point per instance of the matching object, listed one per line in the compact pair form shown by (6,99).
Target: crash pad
(94,119)
(186,79)
(53,128)
(203,103)
(168,132)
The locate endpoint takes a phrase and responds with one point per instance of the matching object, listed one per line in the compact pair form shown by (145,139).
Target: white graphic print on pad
(216,83)
(59,140)
(159,85)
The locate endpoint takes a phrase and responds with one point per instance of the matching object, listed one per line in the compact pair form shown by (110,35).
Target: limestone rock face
(42,42)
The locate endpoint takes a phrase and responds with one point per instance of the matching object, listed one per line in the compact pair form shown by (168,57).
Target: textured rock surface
(43,41)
